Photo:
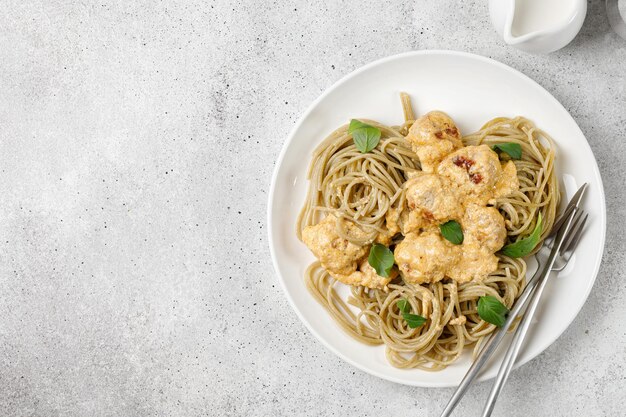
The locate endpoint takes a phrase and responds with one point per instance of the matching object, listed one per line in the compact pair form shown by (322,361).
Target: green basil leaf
(523,247)
(365,137)
(403,305)
(492,310)
(452,231)
(355,125)
(513,149)
(381,259)
(413,320)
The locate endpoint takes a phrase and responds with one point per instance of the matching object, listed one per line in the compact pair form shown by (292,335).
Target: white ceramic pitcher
(538,26)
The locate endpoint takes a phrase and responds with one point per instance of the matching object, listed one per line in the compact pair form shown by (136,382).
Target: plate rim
(306,114)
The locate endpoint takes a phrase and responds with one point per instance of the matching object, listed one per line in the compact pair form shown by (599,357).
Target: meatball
(433,199)
(474,171)
(483,227)
(432,137)
(424,258)
(344,261)
(337,255)
(474,265)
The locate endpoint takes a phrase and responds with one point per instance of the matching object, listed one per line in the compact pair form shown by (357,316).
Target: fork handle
(514,348)
(488,350)
(490,347)
(522,330)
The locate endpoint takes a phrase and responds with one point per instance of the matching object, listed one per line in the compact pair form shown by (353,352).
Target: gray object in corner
(616,18)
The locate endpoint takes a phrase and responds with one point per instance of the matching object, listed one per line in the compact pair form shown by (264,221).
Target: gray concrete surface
(137,143)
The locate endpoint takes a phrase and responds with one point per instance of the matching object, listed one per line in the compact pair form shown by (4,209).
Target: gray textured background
(136,149)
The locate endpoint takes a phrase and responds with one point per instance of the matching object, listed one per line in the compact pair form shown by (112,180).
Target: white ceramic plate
(471,89)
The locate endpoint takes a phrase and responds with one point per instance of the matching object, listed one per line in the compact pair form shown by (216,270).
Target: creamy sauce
(538,15)
(458,183)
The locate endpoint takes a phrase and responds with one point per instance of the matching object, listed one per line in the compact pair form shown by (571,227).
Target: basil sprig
(525,246)
(492,310)
(514,150)
(412,320)
(451,230)
(365,137)
(381,259)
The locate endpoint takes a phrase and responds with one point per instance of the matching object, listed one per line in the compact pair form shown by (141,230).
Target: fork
(561,261)
(561,232)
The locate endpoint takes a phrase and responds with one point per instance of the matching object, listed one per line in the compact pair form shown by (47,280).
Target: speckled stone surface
(137,144)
